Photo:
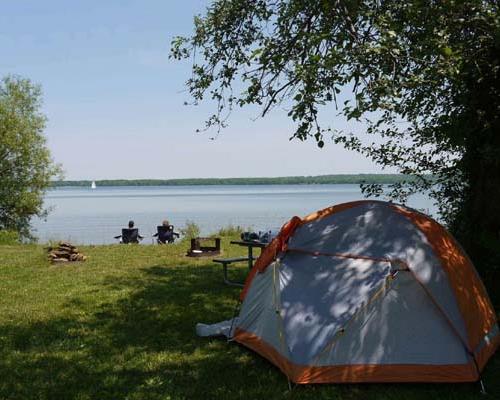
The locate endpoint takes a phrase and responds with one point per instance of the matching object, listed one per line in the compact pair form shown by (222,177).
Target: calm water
(87,216)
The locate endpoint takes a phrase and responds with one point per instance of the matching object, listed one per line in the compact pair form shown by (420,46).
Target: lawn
(121,326)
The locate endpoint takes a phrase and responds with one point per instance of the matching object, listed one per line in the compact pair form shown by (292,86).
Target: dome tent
(367,291)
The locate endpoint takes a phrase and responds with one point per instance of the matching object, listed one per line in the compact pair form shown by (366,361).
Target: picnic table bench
(249,259)
(228,261)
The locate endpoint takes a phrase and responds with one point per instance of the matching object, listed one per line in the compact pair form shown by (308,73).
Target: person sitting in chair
(130,234)
(165,233)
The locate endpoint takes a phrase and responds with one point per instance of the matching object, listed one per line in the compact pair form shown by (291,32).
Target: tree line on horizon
(285,180)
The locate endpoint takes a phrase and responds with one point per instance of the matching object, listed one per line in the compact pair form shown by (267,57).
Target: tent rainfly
(367,291)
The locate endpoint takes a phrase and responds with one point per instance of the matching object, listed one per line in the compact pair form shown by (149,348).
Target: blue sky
(115,101)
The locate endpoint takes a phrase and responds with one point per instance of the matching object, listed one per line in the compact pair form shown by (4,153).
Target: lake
(94,216)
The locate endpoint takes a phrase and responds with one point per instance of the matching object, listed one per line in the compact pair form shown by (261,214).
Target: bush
(230,231)
(9,237)
(190,230)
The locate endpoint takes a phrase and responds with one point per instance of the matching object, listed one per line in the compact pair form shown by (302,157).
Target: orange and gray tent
(367,291)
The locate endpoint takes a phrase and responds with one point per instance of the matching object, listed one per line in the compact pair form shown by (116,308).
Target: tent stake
(483,389)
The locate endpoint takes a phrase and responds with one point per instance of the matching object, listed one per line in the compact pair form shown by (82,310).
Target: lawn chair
(129,235)
(165,234)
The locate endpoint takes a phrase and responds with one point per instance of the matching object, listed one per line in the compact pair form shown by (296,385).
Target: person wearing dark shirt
(130,234)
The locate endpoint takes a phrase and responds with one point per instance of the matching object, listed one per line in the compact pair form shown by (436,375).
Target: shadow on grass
(142,345)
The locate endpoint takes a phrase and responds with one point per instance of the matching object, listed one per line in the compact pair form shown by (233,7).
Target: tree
(26,167)
(422,77)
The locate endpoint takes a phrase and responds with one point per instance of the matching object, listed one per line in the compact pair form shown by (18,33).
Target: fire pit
(199,247)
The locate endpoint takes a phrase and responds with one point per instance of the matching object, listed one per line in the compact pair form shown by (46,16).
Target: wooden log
(60,260)
(61,254)
(66,249)
(67,244)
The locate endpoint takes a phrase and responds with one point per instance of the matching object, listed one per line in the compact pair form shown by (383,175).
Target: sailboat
(93,186)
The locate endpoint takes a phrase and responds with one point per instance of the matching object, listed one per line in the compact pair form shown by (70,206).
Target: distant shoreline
(289,180)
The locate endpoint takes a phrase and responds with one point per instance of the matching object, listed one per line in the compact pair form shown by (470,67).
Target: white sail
(93,186)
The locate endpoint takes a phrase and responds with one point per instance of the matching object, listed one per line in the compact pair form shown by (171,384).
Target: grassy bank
(121,325)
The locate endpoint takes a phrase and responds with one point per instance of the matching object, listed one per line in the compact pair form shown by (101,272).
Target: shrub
(9,237)
(230,231)
(190,230)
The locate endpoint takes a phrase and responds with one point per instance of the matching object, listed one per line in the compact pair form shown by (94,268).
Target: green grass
(121,326)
